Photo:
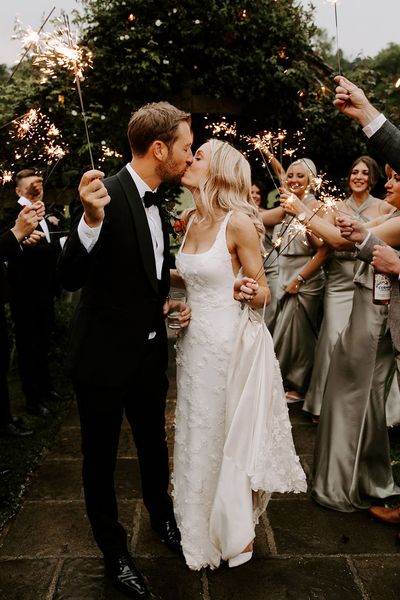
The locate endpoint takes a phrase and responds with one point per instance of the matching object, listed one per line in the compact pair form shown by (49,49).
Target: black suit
(115,367)
(386,142)
(9,249)
(33,285)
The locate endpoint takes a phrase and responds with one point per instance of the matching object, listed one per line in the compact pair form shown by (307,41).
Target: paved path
(302,551)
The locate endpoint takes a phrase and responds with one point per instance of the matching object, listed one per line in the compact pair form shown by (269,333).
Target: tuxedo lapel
(141,225)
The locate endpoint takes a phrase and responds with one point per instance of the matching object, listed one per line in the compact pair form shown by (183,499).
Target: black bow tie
(151,198)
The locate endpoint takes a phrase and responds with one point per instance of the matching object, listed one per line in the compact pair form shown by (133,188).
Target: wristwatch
(300,278)
(301,217)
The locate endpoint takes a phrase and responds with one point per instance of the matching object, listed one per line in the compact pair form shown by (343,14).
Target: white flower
(74,113)
(158,23)
(165,61)
(197,21)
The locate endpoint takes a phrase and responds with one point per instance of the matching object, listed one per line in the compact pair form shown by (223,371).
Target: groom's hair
(155,121)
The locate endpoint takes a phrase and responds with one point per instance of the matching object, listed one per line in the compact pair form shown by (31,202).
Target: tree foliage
(261,63)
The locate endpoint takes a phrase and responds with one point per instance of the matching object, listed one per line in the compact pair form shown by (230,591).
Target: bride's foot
(243,557)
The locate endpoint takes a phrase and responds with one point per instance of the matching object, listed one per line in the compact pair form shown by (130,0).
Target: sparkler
(31,38)
(334,2)
(60,50)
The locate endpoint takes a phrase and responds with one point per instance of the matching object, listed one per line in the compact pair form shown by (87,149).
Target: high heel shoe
(240,559)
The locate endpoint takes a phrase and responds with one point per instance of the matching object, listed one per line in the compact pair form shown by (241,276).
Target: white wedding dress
(233,443)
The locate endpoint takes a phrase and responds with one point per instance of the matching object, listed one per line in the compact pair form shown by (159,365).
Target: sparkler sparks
(41,138)
(223,128)
(60,49)
(6,177)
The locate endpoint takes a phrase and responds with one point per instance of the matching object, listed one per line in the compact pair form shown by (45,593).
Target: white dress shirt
(373,127)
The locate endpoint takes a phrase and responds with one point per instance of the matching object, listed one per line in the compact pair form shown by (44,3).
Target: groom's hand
(94,197)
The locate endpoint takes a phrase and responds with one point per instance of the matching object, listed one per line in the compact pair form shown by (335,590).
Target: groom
(117,253)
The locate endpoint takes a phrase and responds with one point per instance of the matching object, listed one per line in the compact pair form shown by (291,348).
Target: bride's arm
(243,242)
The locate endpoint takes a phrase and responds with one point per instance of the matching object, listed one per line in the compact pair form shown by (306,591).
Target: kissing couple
(233,443)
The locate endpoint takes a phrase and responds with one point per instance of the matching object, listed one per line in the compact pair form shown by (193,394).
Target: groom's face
(179,157)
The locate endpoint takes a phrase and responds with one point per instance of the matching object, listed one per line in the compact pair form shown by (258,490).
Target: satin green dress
(338,301)
(271,273)
(296,329)
(352,455)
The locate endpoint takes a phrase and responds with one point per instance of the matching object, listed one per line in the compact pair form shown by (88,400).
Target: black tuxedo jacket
(32,274)
(121,299)
(9,249)
(386,142)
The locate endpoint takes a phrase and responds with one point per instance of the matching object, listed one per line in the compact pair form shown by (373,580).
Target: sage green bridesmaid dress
(352,455)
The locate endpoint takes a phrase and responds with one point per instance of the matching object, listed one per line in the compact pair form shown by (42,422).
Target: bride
(233,444)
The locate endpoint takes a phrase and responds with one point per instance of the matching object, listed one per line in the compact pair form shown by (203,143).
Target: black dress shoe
(126,577)
(39,410)
(170,535)
(54,396)
(15,429)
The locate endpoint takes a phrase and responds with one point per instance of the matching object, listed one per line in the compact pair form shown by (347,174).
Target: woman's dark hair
(263,192)
(373,172)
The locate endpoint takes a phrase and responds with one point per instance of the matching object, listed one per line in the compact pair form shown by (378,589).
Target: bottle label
(382,287)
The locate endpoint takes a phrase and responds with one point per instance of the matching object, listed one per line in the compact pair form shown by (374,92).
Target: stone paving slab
(26,579)
(168,579)
(49,529)
(294,578)
(381,579)
(303,527)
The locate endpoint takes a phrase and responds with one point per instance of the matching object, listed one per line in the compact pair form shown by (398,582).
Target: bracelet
(300,278)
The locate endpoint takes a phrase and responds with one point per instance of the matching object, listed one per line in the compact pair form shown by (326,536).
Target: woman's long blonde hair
(228,185)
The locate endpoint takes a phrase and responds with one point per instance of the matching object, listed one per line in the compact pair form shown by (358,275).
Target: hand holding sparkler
(94,197)
(26,222)
(353,103)
(292,205)
(244,289)
(34,238)
(353,230)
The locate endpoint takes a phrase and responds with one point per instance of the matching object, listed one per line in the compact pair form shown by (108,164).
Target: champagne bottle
(381,288)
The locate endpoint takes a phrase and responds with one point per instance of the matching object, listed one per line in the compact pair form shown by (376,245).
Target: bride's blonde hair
(228,185)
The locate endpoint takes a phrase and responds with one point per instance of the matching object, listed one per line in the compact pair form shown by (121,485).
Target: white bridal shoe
(240,559)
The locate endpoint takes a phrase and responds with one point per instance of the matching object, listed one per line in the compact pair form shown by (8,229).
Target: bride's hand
(245,289)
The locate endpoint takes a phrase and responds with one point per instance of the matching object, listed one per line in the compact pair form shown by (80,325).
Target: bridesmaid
(339,269)
(300,285)
(258,195)
(352,459)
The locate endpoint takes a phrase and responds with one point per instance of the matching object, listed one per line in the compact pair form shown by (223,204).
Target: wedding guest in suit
(384,137)
(117,252)
(33,286)
(10,247)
